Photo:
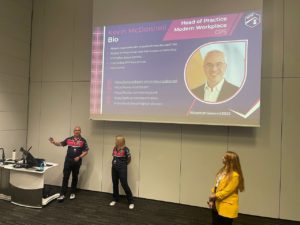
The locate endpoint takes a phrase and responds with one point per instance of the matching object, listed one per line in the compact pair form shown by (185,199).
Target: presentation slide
(199,70)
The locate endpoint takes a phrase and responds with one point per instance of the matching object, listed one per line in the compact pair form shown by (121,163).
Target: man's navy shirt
(76,145)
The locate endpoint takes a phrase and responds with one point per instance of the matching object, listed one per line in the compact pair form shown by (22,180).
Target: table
(24,187)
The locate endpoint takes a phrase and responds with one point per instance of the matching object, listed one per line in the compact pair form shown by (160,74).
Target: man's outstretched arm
(54,142)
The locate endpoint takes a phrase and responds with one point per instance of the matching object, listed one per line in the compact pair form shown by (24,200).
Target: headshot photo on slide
(216,72)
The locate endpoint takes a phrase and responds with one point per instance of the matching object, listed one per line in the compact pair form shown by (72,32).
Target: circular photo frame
(216,72)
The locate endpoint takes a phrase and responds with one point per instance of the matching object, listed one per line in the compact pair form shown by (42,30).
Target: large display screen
(199,70)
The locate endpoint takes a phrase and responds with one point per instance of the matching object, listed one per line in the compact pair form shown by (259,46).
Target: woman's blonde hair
(121,138)
(232,164)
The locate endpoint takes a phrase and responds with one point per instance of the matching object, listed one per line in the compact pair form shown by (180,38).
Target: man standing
(216,88)
(77,149)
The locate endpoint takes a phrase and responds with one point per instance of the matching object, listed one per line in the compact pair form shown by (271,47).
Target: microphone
(3,154)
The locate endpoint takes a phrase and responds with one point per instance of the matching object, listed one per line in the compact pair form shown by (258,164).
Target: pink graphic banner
(202,27)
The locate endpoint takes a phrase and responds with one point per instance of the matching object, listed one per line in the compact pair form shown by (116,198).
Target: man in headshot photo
(216,88)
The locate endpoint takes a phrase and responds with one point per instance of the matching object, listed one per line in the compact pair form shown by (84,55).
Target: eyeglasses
(77,130)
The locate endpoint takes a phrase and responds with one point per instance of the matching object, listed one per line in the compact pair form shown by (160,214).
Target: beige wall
(175,163)
(15,32)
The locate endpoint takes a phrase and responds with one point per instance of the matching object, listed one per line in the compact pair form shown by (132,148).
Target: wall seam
(73,55)
(140,152)
(180,165)
(101,184)
(41,81)
(282,112)
(29,72)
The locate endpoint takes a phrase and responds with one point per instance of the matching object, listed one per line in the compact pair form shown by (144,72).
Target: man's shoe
(72,196)
(61,198)
(113,203)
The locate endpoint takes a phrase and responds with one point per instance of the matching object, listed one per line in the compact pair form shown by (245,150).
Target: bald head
(214,53)
(77,131)
(214,67)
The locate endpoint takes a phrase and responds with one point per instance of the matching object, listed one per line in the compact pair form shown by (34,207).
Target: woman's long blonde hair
(232,164)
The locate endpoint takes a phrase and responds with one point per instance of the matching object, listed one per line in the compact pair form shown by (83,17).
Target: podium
(5,193)
(24,186)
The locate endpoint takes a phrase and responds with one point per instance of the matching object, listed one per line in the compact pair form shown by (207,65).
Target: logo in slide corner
(252,20)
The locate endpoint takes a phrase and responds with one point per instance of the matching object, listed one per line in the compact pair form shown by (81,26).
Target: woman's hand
(210,204)
(212,197)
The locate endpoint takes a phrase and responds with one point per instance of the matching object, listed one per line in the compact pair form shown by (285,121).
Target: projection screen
(194,70)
